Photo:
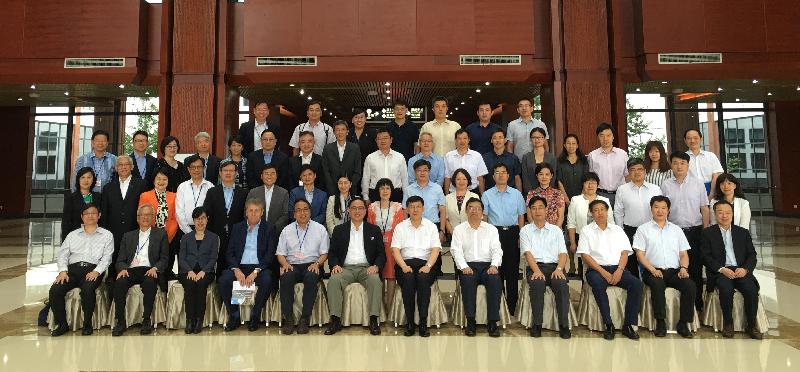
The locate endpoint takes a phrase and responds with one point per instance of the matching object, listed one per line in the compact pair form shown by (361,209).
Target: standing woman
(579,216)
(571,167)
(235,156)
(554,197)
(74,201)
(336,212)
(386,214)
(456,202)
(538,155)
(175,171)
(656,164)
(728,188)
(198,255)
(163,202)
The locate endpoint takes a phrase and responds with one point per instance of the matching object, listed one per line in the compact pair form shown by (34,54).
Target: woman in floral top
(554,197)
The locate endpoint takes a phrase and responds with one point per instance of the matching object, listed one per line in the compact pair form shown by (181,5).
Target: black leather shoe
(410,329)
(684,331)
(118,329)
(629,332)
(535,331)
(287,327)
(469,330)
(197,325)
(189,326)
(423,329)
(335,325)
(661,328)
(564,333)
(727,331)
(233,324)
(492,329)
(253,325)
(87,329)
(60,330)
(374,325)
(147,327)
(754,333)
(608,334)
(303,327)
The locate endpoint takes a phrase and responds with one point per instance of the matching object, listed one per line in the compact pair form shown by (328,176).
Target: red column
(784,152)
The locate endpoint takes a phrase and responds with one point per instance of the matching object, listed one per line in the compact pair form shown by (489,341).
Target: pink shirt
(611,167)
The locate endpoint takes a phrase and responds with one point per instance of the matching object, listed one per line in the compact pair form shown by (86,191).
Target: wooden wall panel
(12,22)
(445,26)
(194,36)
(192,112)
(387,27)
(329,27)
(47,25)
(504,26)
(782,124)
(107,28)
(585,35)
(588,104)
(735,26)
(272,27)
(673,26)
(783,26)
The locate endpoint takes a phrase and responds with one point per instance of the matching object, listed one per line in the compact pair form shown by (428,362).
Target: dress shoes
(189,326)
(661,328)
(374,325)
(564,333)
(87,330)
(118,329)
(535,330)
(492,328)
(233,324)
(197,325)
(147,327)
(754,333)
(410,329)
(629,332)
(469,330)
(608,334)
(727,331)
(60,330)
(335,325)
(253,325)
(303,327)
(683,330)
(423,329)
(287,327)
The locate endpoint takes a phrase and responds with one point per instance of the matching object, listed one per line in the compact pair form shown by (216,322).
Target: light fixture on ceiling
(477,90)
(147,93)
(388,97)
(737,100)
(122,86)
(33,86)
(456,108)
(66,93)
(638,90)
(462,102)
(387,84)
(309,98)
(388,91)
(302,92)
(769,93)
(486,83)
(719,89)
(19,99)
(798,88)
(291,85)
(470,97)
(664,82)
(324,109)
(755,81)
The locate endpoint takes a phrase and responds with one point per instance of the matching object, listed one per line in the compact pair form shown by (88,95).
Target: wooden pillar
(782,121)
(17,143)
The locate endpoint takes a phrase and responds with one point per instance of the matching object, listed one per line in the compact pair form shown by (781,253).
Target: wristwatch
(257,270)
(428,265)
(558,268)
(683,267)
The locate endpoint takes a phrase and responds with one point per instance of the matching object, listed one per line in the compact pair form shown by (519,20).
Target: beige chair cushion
(437,313)
(460,318)
(589,312)
(176,314)
(134,308)
(319,314)
(549,315)
(673,297)
(75,313)
(712,316)
(244,312)
(355,309)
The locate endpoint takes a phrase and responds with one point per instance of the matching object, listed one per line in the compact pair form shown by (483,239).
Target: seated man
(142,256)
(542,244)
(605,248)
(84,255)
(662,250)
(356,255)
(477,253)
(302,250)
(314,196)
(251,253)
(730,258)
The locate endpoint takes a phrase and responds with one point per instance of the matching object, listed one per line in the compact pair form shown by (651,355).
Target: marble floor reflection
(27,249)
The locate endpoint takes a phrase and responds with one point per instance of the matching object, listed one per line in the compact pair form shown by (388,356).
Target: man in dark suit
(305,157)
(268,154)
(119,200)
(144,164)
(142,256)
(251,253)
(316,197)
(250,131)
(274,199)
(361,135)
(224,205)
(730,258)
(356,255)
(341,158)
(202,143)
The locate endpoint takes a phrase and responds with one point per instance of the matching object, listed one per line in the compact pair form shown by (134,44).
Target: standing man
(480,132)
(268,154)
(442,129)
(519,130)
(609,162)
(250,131)
(431,193)
(144,164)
(703,165)
(274,199)
(306,156)
(323,134)
(426,146)
(404,131)
(202,142)
(190,194)
(477,253)
(499,154)
(224,205)
(384,163)
(690,212)
(314,196)
(632,207)
(101,161)
(341,158)
(505,210)
(361,135)
(464,158)
(120,200)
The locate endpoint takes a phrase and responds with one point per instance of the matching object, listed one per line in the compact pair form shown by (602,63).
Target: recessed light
(477,90)
(737,100)
(719,89)
(309,98)
(798,88)
(66,93)
(638,90)
(388,91)
(470,97)
(122,86)
(769,93)
(147,93)
(450,113)
(456,108)
(486,83)
(664,82)
(302,91)
(755,81)
(388,97)
(33,86)
(387,84)
(19,99)
(324,109)
(291,85)
(462,102)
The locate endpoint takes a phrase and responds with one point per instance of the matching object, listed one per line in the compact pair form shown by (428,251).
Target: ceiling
(77,94)
(721,90)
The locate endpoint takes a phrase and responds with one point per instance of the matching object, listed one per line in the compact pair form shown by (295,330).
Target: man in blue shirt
(480,132)
(498,154)
(101,161)
(404,131)
(426,153)
(431,193)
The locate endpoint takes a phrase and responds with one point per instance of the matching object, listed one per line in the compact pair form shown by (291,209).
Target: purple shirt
(611,167)
(687,198)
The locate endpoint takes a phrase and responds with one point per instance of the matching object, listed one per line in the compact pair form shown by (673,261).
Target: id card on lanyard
(299,253)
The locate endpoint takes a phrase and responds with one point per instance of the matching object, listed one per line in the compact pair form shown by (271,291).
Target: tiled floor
(26,271)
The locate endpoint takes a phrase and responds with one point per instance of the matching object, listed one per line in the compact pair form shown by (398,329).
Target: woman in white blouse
(456,202)
(728,188)
(579,216)
(336,212)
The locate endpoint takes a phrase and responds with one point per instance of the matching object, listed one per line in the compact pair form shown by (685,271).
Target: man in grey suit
(142,256)
(274,199)
(341,158)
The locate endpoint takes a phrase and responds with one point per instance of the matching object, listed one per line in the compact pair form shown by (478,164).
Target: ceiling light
(755,81)
(638,90)
(456,108)
(470,97)
(309,98)
(302,91)
(462,102)
(387,84)
(291,85)
(122,86)
(664,82)
(66,93)
(477,90)
(798,88)
(769,93)
(388,97)
(719,89)
(486,83)
(324,109)
(147,93)
(19,99)
(737,100)
(33,86)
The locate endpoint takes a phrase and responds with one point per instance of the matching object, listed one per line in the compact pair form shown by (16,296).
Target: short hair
(268,130)
(632,162)
(722,202)
(254,201)
(140,133)
(162,171)
(460,131)
(699,133)
(525,99)
(474,200)
(422,162)
(260,101)
(166,141)
(660,198)
(200,135)
(88,205)
(498,130)
(356,198)
(590,176)
(193,158)
(226,163)
(482,103)
(312,103)
(596,202)
(499,165)
(306,167)
(536,198)
(234,139)
(305,133)
(100,132)
(400,102)
(383,130)
(603,126)
(465,173)
(680,155)
(199,211)
(543,166)
(301,200)
(439,99)
(537,129)
(359,110)
(143,206)
(125,156)
(340,122)
(384,182)
(414,199)
(269,166)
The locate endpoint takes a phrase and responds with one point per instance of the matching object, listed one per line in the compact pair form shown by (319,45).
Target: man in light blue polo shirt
(431,193)
(426,152)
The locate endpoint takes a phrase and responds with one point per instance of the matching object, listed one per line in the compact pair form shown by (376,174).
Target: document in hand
(243,295)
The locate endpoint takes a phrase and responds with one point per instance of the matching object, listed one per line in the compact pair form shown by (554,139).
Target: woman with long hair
(570,167)
(386,214)
(74,201)
(175,171)
(656,163)
(729,188)
(336,212)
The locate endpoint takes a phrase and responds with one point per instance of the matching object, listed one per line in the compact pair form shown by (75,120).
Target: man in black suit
(142,256)
(202,143)
(224,205)
(251,253)
(306,156)
(341,158)
(119,200)
(274,199)
(361,135)
(268,154)
(356,255)
(730,259)
(250,131)
(144,164)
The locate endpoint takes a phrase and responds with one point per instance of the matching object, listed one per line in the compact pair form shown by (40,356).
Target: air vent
(688,58)
(509,59)
(94,62)
(286,61)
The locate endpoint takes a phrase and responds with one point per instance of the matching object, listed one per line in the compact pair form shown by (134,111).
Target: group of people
(379,205)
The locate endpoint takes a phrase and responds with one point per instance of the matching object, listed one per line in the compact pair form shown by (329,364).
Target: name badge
(135,262)
(299,255)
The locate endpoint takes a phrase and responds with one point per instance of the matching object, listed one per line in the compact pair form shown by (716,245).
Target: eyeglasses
(196,167)
(302,210)
(474,208)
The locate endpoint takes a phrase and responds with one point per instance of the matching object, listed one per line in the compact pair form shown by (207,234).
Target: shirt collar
(121,181)
(251,228)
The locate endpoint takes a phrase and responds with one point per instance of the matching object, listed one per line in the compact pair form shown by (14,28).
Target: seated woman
(198,255)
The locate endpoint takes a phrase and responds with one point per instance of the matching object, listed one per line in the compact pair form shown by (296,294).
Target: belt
(507,228)
(606,191)
(690,228)
(82,264)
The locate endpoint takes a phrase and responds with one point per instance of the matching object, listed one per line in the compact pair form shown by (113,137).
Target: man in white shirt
(442,129)
(604,248)
(545,251)
(469,160)
(118,203)
(703,165)
(632,205)
(384,163)
(662,249)
(477,253)
(190,194)
(415,248)
(323,134)
(519,130)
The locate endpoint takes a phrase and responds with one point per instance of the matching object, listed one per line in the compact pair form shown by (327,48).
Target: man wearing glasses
(519,130)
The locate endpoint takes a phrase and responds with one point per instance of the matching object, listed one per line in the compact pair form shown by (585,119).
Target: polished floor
(27,249)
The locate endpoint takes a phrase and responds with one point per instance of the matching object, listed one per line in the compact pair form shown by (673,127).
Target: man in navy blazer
(315,196)
(268,154)
(249,131)
(251,253)
(144,164)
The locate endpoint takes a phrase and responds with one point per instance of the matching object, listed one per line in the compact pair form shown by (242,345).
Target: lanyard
(385,220)
(140,247)
(297,230)
(199,192)
(228,202)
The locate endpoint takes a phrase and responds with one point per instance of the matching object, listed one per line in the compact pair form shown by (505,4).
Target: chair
(713,312)
(134,308)
(355,309)
(437,313)
(75,313)
(589,312)
(176,314)
(549,315)
(459,316)
(320,314)
(673,297)
(245,310)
